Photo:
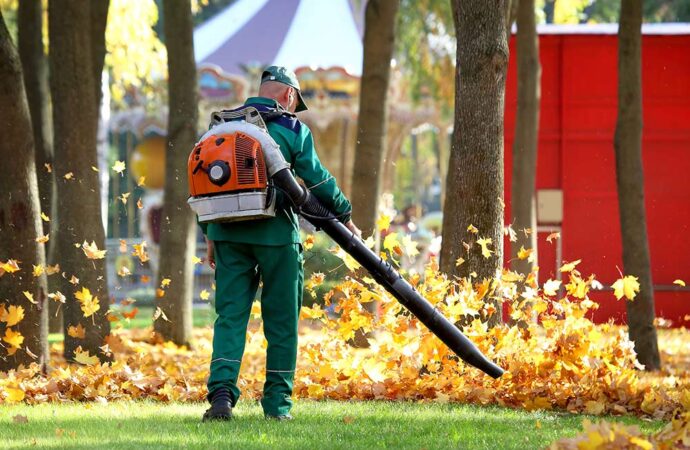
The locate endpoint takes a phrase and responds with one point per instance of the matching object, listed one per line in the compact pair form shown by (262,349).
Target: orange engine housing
(242,156)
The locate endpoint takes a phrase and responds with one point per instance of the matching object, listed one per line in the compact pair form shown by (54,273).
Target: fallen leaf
(57,296)
(49,167)
(78,332)
(140,252)
(19,418)
(165,282)
(553,236)
(130,315)
(95,169)
(89,303)
(11,266)
(52,270)
(38,270)
(459,262)
(679,283)
(141,181)
(29,296)
(43,239)
(14,338)
(45,217)
(568,267)
(123,198)
(119,167)
(12,315)
(472,229)
(204,295)
(69,176)
(14,395)
(551,287)
(83,357)
(140,205)
(383,222)
(309,242)
(484,243)
(91,250)
(627,286)
(159,314)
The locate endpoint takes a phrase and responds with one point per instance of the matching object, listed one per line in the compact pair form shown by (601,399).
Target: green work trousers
(239,267)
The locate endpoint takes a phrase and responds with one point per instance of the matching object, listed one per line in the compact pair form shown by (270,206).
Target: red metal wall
(577,123)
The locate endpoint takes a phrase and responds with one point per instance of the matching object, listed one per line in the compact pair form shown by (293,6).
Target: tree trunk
(35,69)
(523,200)
(75,122)
(372,123)
(20,219)
(630,183)
(178,226)
(474,189)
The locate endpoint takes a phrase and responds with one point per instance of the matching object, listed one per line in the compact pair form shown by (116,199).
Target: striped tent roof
(291,33)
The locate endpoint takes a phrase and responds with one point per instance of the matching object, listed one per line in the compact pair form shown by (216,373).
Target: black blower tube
(384,273)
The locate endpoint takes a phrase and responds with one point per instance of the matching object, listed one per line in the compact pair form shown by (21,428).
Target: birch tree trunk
(372,123)
(20,221)
(474,186)
(178,226)
(75,122)
(630,182)
(523,201)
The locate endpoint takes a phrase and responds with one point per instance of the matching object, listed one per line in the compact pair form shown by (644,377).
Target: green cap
(283,75)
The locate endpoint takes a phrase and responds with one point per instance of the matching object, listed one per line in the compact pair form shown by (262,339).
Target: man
(269,249)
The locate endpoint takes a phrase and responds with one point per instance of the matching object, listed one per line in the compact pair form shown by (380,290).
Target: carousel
(231,50)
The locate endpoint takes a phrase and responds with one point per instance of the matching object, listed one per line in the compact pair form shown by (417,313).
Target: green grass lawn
(317,425)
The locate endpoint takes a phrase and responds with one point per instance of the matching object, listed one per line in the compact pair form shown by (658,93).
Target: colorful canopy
(292,33)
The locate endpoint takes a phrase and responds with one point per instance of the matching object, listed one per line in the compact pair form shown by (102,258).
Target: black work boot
(221,407)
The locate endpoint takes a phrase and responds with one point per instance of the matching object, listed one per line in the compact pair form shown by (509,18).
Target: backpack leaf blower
(235,168)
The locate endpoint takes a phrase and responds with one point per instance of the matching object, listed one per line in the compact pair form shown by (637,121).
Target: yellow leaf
(390,242)
(91,250)
(119,167)
(459,262)
(12,316)
(349,261)
(10,266)
(679,282)
(69,176)
(472,229)
(551,287)
(45,217)
(83,357)
(38,270)
(484,243)
(627,286)
(308,242)
(74,280)
(570,266)
(29,296)
(196,259)
(14,338)
(124,271)
(78,332)
(140,252)
(524,253)
(204,295)
(43,239)
(141,181)
(89,303)
(14,395)
(410,246)
(123,198)
(165,282)
(383,222)
(641,442)
(52,270)
(594,407)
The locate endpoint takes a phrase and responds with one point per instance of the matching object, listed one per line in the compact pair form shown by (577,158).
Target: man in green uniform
(242,253)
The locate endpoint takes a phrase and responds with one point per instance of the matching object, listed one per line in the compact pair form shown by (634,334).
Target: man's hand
(352,227)
(210,256)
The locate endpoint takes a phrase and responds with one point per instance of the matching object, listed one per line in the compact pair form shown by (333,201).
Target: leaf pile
(562,361)
(676,435)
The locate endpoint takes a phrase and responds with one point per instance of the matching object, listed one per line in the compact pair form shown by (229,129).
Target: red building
(576,178)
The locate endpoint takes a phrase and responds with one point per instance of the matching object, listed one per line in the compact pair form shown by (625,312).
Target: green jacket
(297,145)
